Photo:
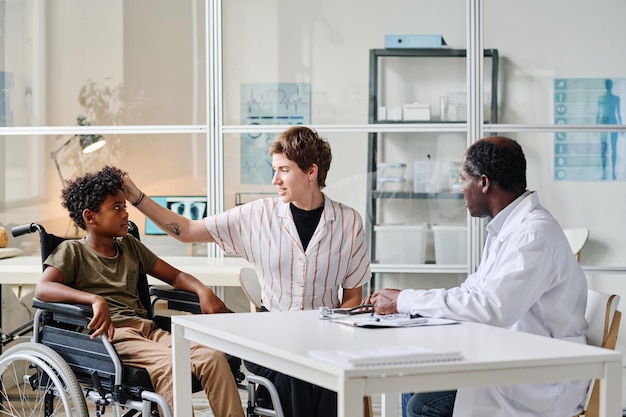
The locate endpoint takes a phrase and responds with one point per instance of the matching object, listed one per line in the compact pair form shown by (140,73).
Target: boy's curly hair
(90,191)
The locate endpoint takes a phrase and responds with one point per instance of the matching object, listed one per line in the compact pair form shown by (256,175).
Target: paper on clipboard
(389,320)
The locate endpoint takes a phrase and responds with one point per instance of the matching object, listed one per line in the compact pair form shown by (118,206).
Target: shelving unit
(416,88)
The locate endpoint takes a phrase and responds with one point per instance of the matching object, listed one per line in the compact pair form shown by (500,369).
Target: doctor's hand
(385,301)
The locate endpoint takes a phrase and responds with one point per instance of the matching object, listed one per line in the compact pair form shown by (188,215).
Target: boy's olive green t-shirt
(114,278)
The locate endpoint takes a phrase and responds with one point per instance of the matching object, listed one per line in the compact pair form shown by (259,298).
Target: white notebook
(384,356)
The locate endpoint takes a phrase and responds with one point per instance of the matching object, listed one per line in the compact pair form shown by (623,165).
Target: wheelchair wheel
(36,381)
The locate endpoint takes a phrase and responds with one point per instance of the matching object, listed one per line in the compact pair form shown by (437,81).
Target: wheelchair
(61,368)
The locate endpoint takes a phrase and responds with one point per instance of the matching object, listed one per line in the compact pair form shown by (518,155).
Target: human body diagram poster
(589,156)
(263,104)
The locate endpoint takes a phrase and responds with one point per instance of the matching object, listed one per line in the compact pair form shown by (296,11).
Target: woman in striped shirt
(308,250)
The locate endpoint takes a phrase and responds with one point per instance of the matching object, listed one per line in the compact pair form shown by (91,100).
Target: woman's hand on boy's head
(101,322)
(131,191)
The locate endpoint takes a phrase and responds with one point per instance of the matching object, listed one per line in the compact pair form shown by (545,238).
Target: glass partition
(142,68)
(114,62)
(324,46)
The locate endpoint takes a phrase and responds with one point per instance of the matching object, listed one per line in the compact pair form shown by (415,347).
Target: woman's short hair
(305,147)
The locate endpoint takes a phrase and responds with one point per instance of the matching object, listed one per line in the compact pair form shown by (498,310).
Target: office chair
(604,320)
(61,368)
(577,238)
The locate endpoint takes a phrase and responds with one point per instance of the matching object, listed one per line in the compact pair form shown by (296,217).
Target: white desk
(214,272)
(492,356)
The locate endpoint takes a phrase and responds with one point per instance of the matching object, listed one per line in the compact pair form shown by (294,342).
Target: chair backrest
(603,318)
(249,281)
(600,314)
(577,237)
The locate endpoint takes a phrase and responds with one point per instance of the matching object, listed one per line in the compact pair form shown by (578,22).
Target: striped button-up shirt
(264,233)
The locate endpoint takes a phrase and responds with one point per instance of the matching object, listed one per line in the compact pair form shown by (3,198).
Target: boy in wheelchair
(102,269)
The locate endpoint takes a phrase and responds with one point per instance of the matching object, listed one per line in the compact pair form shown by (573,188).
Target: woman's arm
(352,297)
(177,226)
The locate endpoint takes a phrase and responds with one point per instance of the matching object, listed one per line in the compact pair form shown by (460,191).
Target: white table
(218,272)
(24,271)
(492,356)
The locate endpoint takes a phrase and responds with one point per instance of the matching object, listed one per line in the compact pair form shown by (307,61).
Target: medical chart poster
(263,104)
(589,156)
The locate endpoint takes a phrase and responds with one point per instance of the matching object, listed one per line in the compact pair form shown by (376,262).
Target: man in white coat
(528,280)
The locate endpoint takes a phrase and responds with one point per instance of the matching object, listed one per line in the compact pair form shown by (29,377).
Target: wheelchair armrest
(176,299)
(74,314)
(171,293)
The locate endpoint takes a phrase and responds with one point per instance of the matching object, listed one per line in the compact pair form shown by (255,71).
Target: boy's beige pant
(139,343)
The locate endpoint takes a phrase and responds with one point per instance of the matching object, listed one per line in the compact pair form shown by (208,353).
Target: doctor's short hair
(499,158)
(305,147)
(90,191)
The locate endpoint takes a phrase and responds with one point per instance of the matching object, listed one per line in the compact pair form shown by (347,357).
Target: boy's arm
(50,288)
(209,302)
(352,297)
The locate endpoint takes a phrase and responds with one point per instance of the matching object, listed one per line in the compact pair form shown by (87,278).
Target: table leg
(181,370)
(350,400)
(611,390)
(389,404)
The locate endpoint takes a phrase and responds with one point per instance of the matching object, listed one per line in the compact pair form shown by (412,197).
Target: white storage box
(390,169)
(391,184)
(400,243)
(450,244)
(416,111)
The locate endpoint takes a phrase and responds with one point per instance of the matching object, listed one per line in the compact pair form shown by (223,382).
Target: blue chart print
(582,156)
(266,104)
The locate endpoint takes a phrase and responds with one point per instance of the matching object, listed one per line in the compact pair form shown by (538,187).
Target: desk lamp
(88,144)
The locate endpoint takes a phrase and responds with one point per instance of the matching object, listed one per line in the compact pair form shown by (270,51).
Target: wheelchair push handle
(25,228)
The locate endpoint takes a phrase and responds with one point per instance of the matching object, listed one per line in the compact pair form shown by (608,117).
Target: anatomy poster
(589,156)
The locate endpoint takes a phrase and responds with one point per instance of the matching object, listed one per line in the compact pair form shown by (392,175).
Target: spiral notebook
(384,356)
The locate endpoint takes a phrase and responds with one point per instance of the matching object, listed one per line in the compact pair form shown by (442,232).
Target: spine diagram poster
(263,104)
(584,156)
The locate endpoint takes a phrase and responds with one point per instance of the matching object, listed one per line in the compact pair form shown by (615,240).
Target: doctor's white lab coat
(529,281)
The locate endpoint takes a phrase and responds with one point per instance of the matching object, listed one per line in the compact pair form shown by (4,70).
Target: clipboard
(389,320)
